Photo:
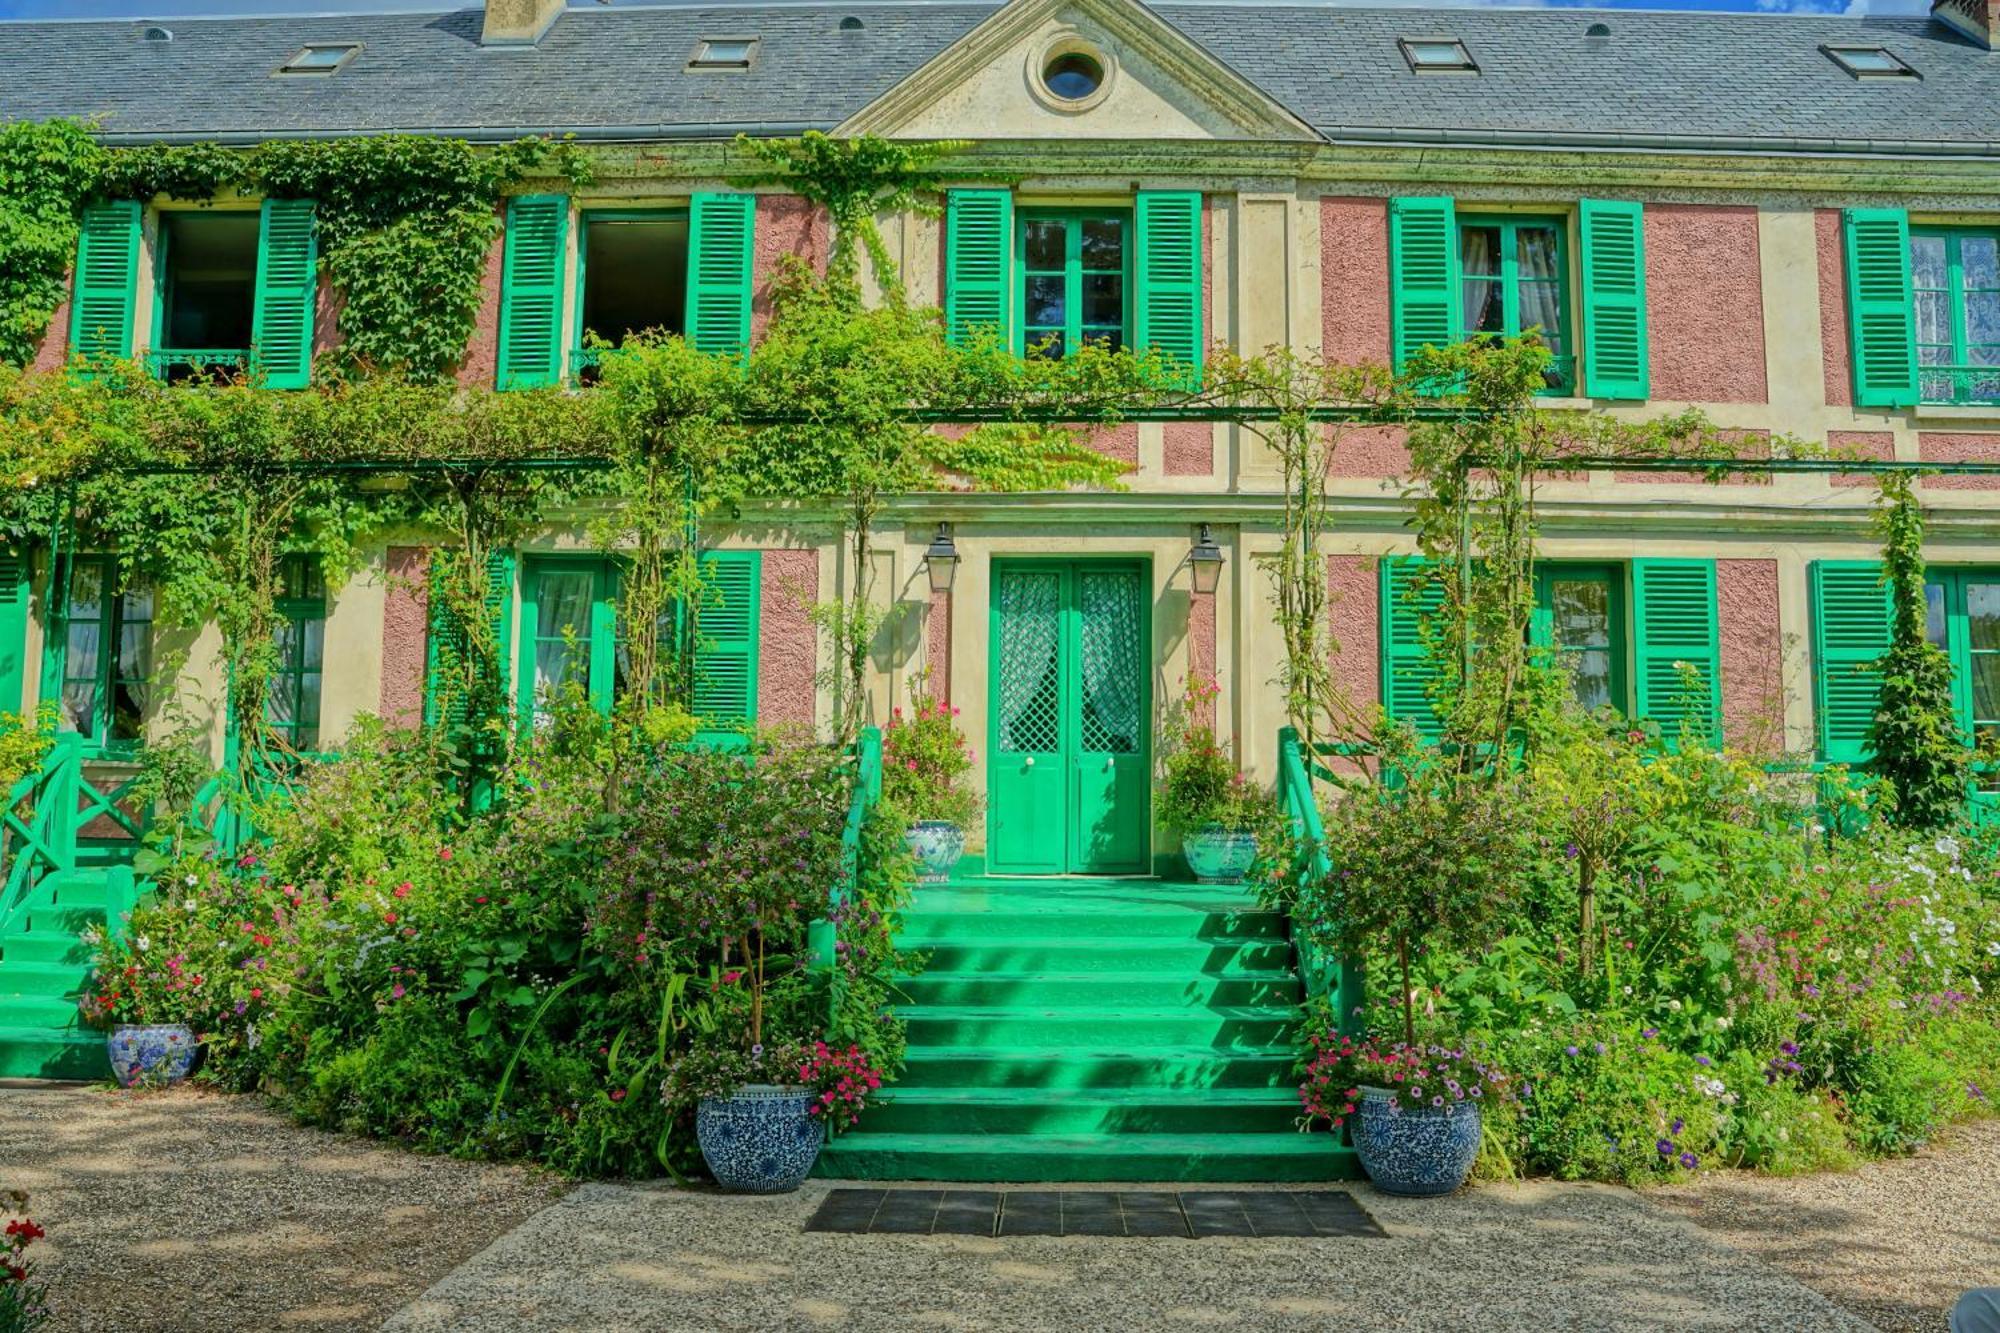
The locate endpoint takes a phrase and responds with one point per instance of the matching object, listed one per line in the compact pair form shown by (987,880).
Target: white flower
(1993,948)
(1833,955)
(192,881)
(1947,846)
(143,943)
(1628,990)
(1673,1006)
(1784,1135)
(190,905)
(1722,1024)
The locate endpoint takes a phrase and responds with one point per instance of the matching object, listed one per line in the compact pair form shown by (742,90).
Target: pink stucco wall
(786,225)
(1940,447)
(1189,448)
(1866,443)
(405,621)
(1833,309)
(937,645)
(1120,442)
(1356,620)
(1201,647)
(1705,303)
(1371,451)
(482,354)
(1354,279)
(786,644)
(53,349)
(1753,685)
(327,304)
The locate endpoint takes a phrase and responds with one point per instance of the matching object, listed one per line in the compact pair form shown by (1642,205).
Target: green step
(51,946)
(59,918)
(1091,1067)
(1126,1029)
(30,1052)
(1072,957)
(1131,1157)
(1156,988)
(900,1109)
(36,1011)
(41,978)
(925,925)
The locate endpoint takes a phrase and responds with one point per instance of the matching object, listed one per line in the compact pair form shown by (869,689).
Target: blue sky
(88,9)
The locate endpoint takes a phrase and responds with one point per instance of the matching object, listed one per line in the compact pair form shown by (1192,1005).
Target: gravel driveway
(1893,1241)
(183,1210)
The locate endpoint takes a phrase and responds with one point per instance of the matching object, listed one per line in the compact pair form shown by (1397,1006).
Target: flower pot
(1421,1150)
(937,844)
(762,1140)
(158,1054)
(1217,855)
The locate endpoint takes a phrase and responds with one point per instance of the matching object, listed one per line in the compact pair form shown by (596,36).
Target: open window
(1515,276)
(632,270)
(1076,269)
(1580,615)
(207,292)
(107,659)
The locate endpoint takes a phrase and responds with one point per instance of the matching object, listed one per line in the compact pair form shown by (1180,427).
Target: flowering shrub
(1200,786)
(844,1080)
(1428,1077)
(24,1302)
(925,762)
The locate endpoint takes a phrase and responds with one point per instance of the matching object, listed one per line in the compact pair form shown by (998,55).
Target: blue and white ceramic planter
(158,1054)
(763,1140)
(1216,855)
(937,844)
(1424,1150)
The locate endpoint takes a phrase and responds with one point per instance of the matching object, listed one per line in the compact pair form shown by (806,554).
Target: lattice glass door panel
(1030,655)
(1113,682)
(1110,780)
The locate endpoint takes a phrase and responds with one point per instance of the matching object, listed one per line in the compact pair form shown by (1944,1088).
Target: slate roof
(620,71)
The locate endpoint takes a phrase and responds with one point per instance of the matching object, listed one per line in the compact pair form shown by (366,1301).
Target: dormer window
(1870,62)
(320,58)
(1431,55)
(724,53)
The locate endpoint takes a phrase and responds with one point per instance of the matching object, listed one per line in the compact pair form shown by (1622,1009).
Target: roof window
(320,58)
(1870,62)
(1434,54)
(156,33)
(723,53)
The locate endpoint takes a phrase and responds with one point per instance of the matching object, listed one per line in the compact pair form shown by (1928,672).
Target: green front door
(1068,781)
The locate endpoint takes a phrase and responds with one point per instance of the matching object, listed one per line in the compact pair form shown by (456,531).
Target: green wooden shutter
(105,299)
(725,658)
(13,631)
(1614,299)
(979,263)
(445,644)
(1408,669)
(721,239)
(1423,274)
(1851,621)
(1168,304)
(1674,622)
(287,289)
(1881,310)
(531,291)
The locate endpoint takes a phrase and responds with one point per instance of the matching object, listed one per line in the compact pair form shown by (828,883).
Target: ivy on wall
(46,171)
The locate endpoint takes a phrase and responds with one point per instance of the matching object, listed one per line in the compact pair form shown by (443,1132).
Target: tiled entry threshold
(1184,1213)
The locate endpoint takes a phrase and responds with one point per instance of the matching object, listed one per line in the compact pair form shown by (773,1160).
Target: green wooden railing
(1337,979)
(867,756)
(38,828)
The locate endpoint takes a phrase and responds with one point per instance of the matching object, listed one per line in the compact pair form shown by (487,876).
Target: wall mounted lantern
(1205,563)
(941,559)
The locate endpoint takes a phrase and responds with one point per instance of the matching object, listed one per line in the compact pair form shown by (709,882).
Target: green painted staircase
(43,968)
(1093,1029)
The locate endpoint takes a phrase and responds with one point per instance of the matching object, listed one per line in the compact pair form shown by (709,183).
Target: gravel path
(1893,1241)
(190,1211)
(1537,1257)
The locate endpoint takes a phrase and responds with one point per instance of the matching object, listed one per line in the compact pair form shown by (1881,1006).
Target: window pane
(1483,310)
(1927,261)
(128,707)
(1934,626)
(1982,617)
(1986,687)
(314,656)
(308,719)
(1045,305)
(1582,611)
(1479,251)
(1108,340)
(1536,249)
(1103,243)
(80,653)
(562,602)
(1934,317)
(1104,298)
(282,711)
(80,706)
(554,666)
(1541,307)
(134,657)
(1591,677)
(1047,240)
(1982,316)
(1045,344)
(1979,256)
(86,585)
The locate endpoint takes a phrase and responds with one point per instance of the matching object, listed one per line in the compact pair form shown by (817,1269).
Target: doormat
(1190,1214)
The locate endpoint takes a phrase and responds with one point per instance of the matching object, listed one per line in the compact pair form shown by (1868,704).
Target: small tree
(1918,747)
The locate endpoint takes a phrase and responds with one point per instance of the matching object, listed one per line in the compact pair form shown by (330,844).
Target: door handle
(1109,763)
(1029,762)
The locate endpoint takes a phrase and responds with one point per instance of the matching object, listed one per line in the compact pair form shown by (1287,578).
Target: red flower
(444,853)
(256,992)
(389,917)
(25,1229)
(403,889)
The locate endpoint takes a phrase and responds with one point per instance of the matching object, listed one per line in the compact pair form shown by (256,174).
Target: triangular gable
(1161,84)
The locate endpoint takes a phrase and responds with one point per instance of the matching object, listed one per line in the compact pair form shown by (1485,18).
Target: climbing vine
(46,169)
(1918,746)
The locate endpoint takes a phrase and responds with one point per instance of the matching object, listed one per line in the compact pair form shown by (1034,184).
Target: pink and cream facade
(1804,280)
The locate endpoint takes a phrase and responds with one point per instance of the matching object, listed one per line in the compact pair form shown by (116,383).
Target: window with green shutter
(1514,277)
(105,299)
(631,277)
(1880,311)
(531,291)
(14,603)
(1613,261)
(205,292)
(725,658)
(1850,631)
(1167,306)
(1424,291)
(1075,267)
(1677,677)
(1409,671)
(1955,276)
(445,648)
(293,706)
(721,249)
(1962,616)
(103,673)
(979,269)
(1579,616)
(287,289)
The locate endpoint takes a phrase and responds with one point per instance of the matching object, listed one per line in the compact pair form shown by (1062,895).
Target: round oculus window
(1073,75)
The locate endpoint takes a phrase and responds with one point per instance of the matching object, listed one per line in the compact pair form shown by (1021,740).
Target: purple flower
(1702,1060)
(1679,1125)
(1650,1033)
(1570,1050)
(1666,1148)
(1690,1161)
(1789,1047)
